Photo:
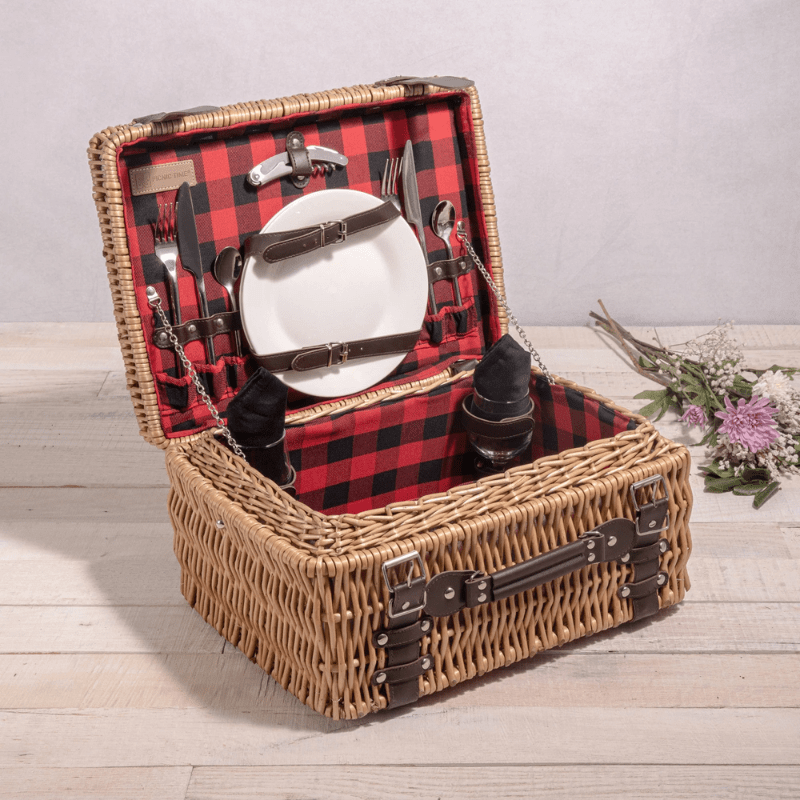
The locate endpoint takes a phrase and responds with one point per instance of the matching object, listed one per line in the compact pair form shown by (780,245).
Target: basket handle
(414,600)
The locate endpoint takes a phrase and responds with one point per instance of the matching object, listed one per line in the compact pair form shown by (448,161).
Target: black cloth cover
(503,376)
(256,420)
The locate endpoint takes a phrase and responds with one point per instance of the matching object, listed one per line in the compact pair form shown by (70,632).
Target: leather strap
(171,116)
(336,353)
(299,159)
(496,429)
(440,82)
(449,269)
(226,322)
(281,245)
(404,665)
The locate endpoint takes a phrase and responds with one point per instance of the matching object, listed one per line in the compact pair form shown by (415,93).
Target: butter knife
(414,216)
(189,248)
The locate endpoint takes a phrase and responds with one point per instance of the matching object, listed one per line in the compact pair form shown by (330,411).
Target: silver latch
(407,560)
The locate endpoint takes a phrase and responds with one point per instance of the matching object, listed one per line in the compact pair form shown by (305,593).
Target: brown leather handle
(449,592)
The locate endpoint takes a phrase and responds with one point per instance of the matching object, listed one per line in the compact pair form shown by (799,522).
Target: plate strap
(335,353)
(281,245)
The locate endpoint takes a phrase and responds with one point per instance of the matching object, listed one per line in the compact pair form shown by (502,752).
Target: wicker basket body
(301,591)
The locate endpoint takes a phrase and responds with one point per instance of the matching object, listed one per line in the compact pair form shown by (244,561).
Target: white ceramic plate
(374,284)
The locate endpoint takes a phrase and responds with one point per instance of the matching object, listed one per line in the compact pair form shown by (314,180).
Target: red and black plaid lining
(228,210)
(404,449)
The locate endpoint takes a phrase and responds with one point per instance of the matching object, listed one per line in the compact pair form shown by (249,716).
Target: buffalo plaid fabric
(229,210)
(403,449)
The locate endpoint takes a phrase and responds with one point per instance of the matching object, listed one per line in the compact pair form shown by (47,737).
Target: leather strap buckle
(341,234)
(341,354)
(407,560)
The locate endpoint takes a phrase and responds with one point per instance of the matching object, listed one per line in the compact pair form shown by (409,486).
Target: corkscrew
(324,160)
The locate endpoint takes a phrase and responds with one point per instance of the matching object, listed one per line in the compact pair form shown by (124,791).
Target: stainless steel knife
(189,248)
(414,216)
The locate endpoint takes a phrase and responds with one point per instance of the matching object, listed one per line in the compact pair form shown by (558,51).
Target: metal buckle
(653,481)
(410,559)
(343,353)
(648,482)
(341,233)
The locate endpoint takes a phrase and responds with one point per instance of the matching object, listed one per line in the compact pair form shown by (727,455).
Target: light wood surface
(111,686)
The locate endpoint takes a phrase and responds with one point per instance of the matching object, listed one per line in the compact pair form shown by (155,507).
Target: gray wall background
(643,151)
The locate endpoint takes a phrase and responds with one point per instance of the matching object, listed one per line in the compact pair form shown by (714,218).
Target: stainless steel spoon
(443,221)
(227,266)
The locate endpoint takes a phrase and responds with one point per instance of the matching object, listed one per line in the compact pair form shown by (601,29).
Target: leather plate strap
(335,353)
(281,245)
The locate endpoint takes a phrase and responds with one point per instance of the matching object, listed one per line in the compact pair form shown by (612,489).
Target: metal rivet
(192,328)
(220,523)
(662,579)
(449,594)
(426,664)
(626,558)
(624,591)
(481,598)
(162,337)
(406,606)
(382,640)
(652,524)
(438,270)
(219,323)
(591,557)
(255,177)
(482,585)
(380,677)
(590,545)
(664,545)
(612,540)
(425,627)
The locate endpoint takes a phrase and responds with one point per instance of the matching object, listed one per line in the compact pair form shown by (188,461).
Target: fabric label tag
(162,177)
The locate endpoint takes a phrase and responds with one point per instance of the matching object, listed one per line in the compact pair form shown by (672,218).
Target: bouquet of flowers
(750,418)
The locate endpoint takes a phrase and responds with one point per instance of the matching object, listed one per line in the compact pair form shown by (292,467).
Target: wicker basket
(305,593)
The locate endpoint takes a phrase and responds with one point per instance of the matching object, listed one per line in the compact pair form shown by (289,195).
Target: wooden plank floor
(112,687)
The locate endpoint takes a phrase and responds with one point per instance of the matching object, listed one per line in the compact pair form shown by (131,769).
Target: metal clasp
(344,351)
(653,481)
(409,559)
(341,233)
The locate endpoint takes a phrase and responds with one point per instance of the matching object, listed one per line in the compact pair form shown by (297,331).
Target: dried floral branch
(751,427)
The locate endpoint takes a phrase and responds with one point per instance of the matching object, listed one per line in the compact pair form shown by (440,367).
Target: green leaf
(656,405)
(715,469)
(646,363)
(651,394)
(749,488)
(765,494)
(755,474)
(712,439)
(722,484)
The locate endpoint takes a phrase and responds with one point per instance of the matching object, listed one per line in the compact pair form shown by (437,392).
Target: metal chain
(462,237)
(154,301)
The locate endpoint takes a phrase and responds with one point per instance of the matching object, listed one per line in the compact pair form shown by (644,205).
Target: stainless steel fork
(167,253)
(389,181)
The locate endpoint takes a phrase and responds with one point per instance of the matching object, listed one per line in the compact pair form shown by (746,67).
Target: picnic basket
(395,572)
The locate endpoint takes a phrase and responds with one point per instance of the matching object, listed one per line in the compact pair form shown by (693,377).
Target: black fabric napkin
(256,421)
(502,378)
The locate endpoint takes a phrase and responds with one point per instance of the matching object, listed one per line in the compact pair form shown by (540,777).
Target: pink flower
(749,423)
(695,416)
